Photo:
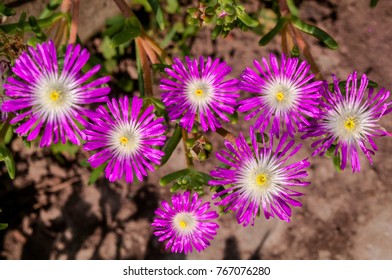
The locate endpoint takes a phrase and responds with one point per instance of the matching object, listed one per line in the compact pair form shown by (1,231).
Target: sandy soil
(54,214)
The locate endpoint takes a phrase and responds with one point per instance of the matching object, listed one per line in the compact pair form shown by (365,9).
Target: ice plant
(124,138)
(198,92)
(285,94)
(186,224)
(349,120)
(259,178)
(48,96)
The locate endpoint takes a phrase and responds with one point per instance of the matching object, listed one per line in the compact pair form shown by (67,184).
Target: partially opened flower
(285,94)
(185,225)
(48,96)
(259,178)
(124,139)
(349,120)
(198,92)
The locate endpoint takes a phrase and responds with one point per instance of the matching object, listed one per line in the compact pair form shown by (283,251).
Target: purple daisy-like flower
(259,177)
(49,96)
(186,224)
(125,138)
(286,94)
(349,120)
(199,92)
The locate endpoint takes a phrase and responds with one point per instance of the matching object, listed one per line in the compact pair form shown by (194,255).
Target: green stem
(145,67)
(226,134)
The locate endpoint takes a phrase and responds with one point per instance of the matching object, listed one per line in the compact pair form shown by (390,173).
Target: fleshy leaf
(245,18)
(174,176)
(96,173)
(37,30)
(131,31)
(274,31)
(158,12)
(373,3)
(124,36)
(336,162)
(6,156)
(171,144)
(6,11)
(316,32)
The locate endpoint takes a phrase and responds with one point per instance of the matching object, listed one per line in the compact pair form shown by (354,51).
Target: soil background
(54,214)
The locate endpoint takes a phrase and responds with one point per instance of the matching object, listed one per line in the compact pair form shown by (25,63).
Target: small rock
(108,249)
(37,169)
(324,255)
(126,211)
(57,171)
(47,216)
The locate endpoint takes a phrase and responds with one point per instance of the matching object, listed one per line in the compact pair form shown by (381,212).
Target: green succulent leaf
(245,18)
(336,162)
(124,36)
(165,180)
(3,226)
(316,32)
(68,147)
(21,23)
(373,3)
(6,11)
(50,8)
(6,156)
(274,31)
(293,9)
(130,31)
(42,23)
(158,12)
(37,30)
(96,173)
(171,144)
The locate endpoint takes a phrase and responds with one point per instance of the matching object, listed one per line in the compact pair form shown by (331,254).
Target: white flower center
(281,94)
(260,178)
(348,121)
(125,139)
(55,97)
(199,92)
(184,222)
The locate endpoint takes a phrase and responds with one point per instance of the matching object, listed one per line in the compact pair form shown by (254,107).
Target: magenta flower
(124,138)
(349,121)
(285,94)
(4,69)
(259,177)
(48,97)
(186,224)
(198,92)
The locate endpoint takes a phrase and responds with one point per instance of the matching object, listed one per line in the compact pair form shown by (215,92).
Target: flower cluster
(51,95)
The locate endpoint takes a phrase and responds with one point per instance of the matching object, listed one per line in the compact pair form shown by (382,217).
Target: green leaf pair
(300,25)
(186,179)
(131,30)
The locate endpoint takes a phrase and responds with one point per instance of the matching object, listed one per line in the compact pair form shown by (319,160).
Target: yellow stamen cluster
(199,92)
(54,95)
(182,224)
(261,180)
(123,140)
(349,124)
(279,96)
